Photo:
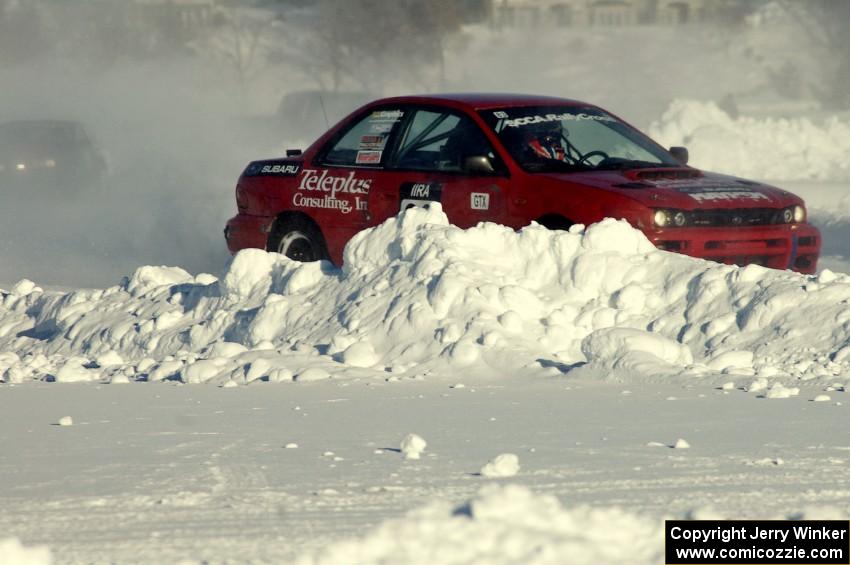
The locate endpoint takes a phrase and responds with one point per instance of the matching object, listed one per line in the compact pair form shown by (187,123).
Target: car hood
(683,188)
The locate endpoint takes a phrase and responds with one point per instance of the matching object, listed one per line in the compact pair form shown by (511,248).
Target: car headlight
(21,166)
(665,218)
(799,214)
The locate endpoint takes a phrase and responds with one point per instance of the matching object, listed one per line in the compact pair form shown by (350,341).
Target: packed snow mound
(417,294)
(787,149)
(12,552)
(505,525)
(504,465)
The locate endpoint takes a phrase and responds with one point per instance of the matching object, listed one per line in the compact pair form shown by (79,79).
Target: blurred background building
(563,13)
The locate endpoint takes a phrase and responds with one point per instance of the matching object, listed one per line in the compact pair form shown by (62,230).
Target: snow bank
(418,294)
(505,525)
(12,552)
(787,149)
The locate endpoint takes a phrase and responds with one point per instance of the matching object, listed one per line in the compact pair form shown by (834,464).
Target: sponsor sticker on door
(479,201)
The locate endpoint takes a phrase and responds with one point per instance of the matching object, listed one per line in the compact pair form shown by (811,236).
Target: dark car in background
(52,157)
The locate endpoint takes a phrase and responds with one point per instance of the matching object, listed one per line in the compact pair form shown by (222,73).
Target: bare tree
(23,34)
(242,37)
(437,21)
(368,42)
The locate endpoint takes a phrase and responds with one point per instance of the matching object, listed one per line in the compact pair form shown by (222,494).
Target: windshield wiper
(554,166)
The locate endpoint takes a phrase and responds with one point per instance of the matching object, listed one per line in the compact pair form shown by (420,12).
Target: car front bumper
(243,231)
(789,246)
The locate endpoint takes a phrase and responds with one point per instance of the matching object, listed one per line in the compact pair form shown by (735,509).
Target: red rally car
(510,159)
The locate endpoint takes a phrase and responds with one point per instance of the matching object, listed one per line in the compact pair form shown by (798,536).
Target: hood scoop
(663,173)
(637,184)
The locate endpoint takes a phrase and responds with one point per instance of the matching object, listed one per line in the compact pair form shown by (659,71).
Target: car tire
(298,238)
(555,222)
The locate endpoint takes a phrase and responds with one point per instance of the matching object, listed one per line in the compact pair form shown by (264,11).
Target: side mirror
(478,164)
(293,152)
(680,154)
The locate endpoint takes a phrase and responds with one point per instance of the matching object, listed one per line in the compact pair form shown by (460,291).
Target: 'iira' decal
(419,194)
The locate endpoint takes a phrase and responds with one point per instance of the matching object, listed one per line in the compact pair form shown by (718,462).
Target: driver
(544,141)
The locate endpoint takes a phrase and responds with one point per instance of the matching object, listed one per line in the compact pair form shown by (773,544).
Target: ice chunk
(504,465)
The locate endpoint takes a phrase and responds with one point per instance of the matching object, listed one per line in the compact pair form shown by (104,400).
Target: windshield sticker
(391,116)
(566,117)
(332,186)
(380,128)
(368,157)
(375,142)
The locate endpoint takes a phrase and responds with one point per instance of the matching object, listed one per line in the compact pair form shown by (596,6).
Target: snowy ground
(160,473)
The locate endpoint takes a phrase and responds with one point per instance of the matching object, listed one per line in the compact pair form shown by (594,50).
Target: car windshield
(573,138)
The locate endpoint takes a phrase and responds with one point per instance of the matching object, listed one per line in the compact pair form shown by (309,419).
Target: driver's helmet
(544,140)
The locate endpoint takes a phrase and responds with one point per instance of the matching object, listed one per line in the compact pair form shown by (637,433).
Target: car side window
(363,144)
(437,140)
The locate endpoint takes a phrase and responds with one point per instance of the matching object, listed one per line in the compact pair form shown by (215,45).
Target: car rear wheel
(298,239)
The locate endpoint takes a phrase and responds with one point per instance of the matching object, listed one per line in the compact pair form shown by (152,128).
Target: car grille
(733,218)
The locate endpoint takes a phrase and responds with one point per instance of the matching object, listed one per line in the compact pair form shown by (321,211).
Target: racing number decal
(419,194)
